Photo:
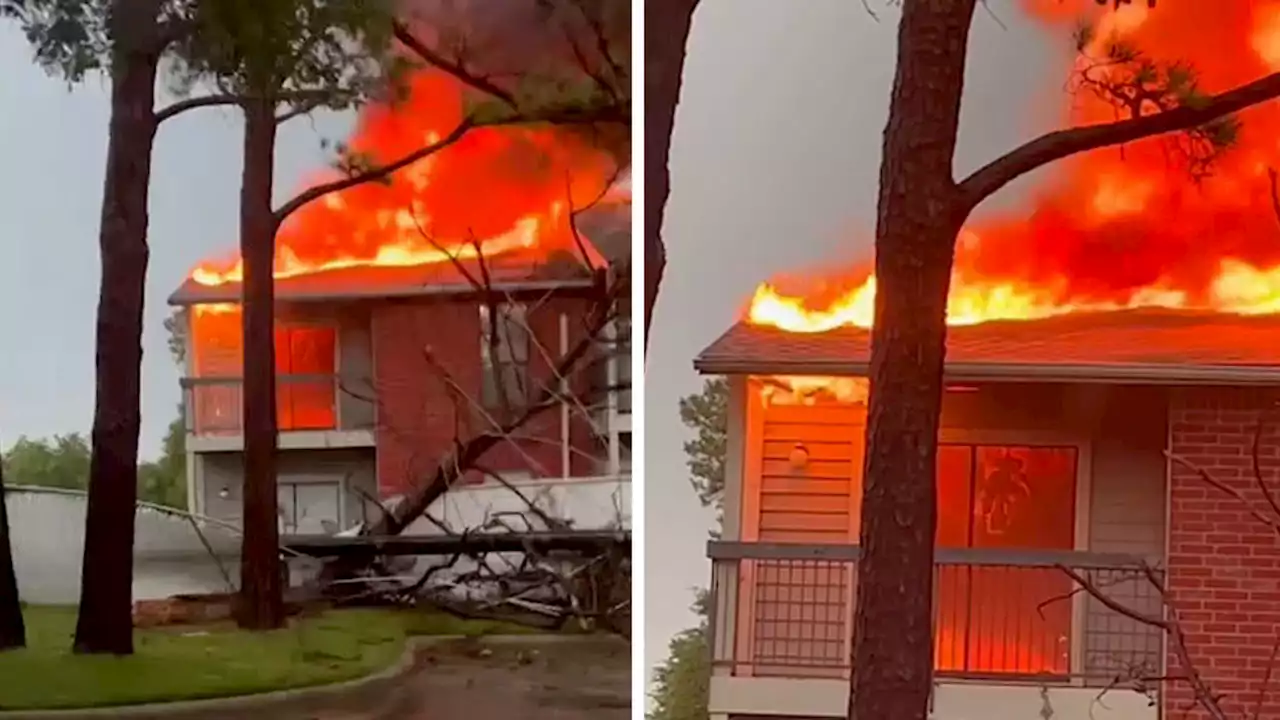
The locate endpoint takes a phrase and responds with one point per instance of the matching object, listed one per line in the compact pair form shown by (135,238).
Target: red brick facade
(1224,563)
(419,414)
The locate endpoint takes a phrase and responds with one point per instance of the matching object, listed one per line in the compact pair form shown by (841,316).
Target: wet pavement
(466,681)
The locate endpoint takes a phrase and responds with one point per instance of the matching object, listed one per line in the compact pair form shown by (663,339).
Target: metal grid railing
(800,612)
(787,610)
(303,402)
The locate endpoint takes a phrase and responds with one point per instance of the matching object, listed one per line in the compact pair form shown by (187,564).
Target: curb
(315,697)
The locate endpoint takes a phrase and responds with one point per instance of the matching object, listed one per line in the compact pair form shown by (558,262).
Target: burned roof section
(604,230)
(511,272)
(1143,345)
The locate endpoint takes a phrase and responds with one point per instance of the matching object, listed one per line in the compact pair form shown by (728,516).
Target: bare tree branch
(471,450)
(310,100)
(1205,697)
(319,191)
(571,116)
(985,181)
(181,106)
(455,69)
(1256,455)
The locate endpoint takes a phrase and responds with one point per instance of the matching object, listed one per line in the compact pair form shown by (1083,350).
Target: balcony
(1000,615)
(310,409)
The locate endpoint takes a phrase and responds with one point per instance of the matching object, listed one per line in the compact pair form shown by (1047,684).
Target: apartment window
(1004,497)
(306,364)
(504,355)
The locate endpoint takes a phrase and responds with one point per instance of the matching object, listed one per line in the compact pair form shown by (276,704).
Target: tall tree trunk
(105,621)
(13,633)
(667,24)
(919,216)
(261,604)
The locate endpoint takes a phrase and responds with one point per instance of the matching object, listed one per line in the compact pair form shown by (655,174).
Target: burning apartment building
(475,293)
(1108,466)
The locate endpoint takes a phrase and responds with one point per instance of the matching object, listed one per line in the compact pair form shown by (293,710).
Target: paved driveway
(572,680)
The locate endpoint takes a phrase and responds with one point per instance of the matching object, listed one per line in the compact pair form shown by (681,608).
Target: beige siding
(809,503)
(224,470)
(801,611)
(355,370)
(1126,515)
(1127,509)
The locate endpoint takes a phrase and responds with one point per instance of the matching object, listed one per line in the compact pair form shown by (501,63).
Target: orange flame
(1115,229)
(497,191)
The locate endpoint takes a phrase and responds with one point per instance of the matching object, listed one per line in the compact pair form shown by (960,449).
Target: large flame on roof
(1113,228)
(497,191)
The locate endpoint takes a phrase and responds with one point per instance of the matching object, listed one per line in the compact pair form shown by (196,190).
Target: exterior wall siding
(811,504)
(420,413)
(1124,427)
(355,372)
(1224,564)
(1127,508)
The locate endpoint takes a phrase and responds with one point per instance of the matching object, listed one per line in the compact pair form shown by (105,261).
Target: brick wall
(419,415)
(1224,564)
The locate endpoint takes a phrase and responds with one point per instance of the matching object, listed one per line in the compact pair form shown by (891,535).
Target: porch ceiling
(1144,345)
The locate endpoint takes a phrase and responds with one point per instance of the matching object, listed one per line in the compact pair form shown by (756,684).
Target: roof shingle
(1143,344)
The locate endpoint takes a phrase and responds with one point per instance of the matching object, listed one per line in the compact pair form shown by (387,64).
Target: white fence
(47,527)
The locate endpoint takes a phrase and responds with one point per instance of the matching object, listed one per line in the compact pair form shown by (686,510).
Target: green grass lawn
(187,663)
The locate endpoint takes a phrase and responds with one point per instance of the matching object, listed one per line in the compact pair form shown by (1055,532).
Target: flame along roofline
(193,293)
(1143,346)
(606,235)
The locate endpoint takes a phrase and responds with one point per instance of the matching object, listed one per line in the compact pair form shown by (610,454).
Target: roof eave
(1136,373)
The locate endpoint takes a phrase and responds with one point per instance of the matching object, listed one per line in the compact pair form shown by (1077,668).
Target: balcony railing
(303,402)
(787,610)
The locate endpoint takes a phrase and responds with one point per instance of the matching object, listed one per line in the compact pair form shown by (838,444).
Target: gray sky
(54,147)
(774,166)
